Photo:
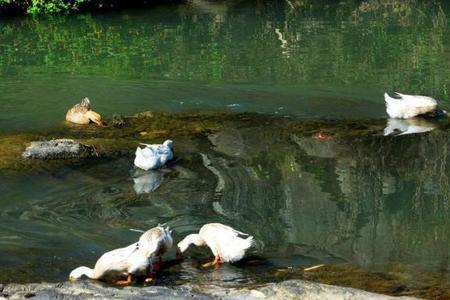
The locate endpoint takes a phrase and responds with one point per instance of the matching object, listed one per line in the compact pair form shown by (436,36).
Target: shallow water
(377,203)
(372,202)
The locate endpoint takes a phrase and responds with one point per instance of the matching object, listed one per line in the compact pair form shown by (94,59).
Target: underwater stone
(55,149)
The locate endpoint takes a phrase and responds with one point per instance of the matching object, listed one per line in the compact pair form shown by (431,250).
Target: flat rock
(56,149)
(304,290)
(290,289)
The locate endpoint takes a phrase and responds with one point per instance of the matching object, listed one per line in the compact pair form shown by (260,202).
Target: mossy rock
(150,127)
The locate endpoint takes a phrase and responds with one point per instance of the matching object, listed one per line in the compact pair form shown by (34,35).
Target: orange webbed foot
(216,262)
(126,282)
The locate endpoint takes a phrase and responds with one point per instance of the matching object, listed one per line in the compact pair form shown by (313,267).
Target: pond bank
(88,290)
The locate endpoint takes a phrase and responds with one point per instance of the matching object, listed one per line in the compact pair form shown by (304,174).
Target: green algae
(425,285)
(151,127)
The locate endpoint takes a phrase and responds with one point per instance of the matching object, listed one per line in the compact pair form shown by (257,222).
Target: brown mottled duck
(81,113)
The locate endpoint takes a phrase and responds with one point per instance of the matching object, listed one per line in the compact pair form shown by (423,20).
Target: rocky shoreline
(290,289)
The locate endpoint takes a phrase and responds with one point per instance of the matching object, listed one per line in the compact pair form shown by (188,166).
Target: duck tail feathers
(389,99)
(240,232)
(237,251)
(399,94)
(248,242)
(138,151)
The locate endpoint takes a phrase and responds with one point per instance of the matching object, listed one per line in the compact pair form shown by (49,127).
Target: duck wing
(222,230)
(228,242)
(145,158)
(78,108)
(114,263)
(418,100)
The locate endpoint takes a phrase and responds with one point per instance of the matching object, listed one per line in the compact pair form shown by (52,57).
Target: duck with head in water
(410,106)
(227,244)
(81,113)
(128,262)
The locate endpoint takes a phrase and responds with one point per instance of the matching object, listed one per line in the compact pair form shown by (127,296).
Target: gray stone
(55,149)
(291,289)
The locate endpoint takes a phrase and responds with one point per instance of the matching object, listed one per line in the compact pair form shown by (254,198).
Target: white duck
(153,156)
(409,106)
(133,260)
(226,243)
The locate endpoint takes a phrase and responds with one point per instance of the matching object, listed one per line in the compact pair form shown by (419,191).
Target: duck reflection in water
(147,182)
(408,126)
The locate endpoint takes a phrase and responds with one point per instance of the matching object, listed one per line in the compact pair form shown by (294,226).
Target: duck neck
(195,239)
(83,271)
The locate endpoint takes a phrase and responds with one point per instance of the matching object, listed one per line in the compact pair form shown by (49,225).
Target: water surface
(377,203)
(318,60)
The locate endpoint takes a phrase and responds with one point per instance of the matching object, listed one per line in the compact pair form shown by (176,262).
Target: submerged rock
(54,149)
(291,289)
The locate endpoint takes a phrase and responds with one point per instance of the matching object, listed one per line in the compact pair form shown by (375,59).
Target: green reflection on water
(315,60)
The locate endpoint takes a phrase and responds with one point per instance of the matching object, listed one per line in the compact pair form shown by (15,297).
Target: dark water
(378,203)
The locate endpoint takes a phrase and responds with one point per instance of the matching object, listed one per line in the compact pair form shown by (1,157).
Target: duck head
(437,113)
(168,143)
(80,273)
(86,103)
(183,245)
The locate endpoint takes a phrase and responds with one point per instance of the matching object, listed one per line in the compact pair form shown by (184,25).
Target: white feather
(134,259)
(224,241)
(153,156)
(408,106)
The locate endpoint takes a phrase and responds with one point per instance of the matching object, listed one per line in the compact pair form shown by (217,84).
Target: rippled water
(378,203)
(375,202)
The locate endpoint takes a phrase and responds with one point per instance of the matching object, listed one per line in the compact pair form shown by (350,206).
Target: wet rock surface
(57,149)
(290,289)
